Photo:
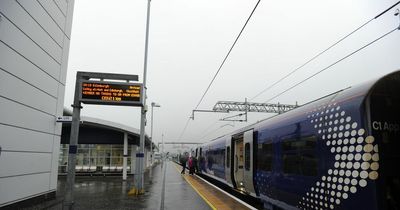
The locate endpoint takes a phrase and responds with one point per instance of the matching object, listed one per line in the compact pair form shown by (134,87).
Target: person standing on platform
(195,166)
(190,164)
(183,163)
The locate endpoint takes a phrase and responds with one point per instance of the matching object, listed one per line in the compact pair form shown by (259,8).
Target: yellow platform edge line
(198,192)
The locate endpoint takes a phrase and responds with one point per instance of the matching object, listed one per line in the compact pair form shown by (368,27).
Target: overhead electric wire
(313,58)
(223,62)
(319,54)
(345,57)
(184,129)
(215,130)
(227,55)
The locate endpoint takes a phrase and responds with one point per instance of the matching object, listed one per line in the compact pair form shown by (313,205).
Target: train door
(243,161)
(248,161)
(238,161)
(200,160)
(228,158)
(384,121)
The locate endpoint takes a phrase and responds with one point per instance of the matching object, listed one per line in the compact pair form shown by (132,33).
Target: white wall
(34,45)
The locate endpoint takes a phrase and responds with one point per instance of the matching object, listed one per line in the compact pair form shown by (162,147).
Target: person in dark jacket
(183,160)
(195,165)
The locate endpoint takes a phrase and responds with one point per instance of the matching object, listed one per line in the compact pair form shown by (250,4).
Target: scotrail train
(338,152)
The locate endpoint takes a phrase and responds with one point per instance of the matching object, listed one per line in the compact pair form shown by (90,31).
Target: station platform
(168,189)
(215,198)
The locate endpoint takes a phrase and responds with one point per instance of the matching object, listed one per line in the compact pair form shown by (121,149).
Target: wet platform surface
(213,196)
(168,190)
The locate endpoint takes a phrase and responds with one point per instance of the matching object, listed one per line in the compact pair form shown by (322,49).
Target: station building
(101,147)
(34,46)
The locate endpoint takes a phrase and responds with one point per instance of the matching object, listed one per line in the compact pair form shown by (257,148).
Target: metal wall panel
(39,14)
(62,5)
(54,12)
(64,62)
(68,24)
(19,139)
(20,67)
(18,115)
(21,187)
(21,19)
(14,38)
(22,92)
(18,163)
(34,57)
(54,162)
(60,108)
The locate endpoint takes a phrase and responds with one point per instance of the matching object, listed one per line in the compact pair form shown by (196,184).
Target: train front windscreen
(385,125)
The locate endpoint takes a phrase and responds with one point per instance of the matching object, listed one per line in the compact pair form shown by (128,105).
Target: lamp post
(153,104)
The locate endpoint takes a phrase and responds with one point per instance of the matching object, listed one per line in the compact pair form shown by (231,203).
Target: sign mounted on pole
(109,89)
(97,88)
(111,93)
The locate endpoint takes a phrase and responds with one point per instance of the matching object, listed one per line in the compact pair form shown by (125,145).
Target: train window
(305,143)
(299,156)
(217,156)
(228,157)
(247,156)
(265,151)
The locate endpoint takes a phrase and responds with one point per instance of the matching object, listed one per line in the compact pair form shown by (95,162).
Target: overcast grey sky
(190,38)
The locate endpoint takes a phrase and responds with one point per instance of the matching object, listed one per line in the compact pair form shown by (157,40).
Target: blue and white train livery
(338,152)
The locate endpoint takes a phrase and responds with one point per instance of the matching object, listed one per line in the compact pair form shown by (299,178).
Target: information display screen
(111,93)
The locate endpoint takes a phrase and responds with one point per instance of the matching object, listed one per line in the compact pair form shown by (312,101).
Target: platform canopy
(99,131)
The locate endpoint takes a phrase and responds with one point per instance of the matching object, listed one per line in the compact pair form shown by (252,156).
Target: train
(338,152)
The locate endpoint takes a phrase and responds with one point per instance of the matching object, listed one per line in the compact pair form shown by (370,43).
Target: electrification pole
(139,175)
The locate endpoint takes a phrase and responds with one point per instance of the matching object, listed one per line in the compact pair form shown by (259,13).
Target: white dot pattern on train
(356,158)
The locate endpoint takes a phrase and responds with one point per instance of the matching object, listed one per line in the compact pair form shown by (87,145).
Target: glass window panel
(247,156)
(309,164)
(86,159)
(101,161)
(291,163)
(228,157)
(265,157)
(299,156)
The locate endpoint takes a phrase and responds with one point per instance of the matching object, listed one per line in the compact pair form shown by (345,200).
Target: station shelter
(101,147)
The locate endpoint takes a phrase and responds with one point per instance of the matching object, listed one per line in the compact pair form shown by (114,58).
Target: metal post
(139,176)
(73,147)
(151,144)
(133,158)
(151,141)
(125,158)
(162,139)
(246,107)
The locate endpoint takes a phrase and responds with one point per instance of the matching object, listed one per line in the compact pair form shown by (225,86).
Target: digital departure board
(111,93)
